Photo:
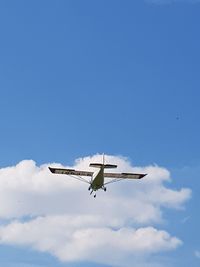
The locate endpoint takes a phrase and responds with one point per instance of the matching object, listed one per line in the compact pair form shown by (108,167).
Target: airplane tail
(106,166)
(110,166)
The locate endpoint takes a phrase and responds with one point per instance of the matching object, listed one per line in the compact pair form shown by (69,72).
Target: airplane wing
(124,175)
(70,172)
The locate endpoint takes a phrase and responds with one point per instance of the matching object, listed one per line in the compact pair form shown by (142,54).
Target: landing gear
(95,195)
(104,189)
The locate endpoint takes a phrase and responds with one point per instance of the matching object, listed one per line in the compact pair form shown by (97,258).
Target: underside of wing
(70,172)
(124,175)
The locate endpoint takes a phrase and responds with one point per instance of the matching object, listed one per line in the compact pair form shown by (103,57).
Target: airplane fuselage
(98,179)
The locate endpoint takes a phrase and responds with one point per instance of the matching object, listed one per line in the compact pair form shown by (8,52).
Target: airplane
(97,180)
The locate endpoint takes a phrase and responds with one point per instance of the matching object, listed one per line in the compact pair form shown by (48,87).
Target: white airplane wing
(124,175)
(70,172)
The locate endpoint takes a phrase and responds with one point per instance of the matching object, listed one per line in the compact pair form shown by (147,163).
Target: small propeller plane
(97,180)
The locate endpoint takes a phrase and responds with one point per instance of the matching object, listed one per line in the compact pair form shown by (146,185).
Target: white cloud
(197,254)
(72,238)
(66,219)
(185,219)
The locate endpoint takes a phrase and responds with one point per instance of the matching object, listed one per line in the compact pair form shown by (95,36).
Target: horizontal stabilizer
(106,166)
(110,166)
(96,165)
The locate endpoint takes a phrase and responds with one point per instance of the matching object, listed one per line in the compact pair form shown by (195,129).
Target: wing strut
(115,180)
(79,178)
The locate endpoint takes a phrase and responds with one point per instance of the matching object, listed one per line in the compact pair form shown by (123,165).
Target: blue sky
(121,77)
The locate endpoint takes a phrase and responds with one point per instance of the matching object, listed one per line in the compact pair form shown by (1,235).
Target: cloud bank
(55,214)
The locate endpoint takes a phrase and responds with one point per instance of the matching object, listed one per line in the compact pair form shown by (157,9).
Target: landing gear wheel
(95,195)
(104,189)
